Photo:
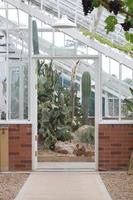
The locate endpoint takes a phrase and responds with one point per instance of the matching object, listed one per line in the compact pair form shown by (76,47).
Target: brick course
(115,146)
(20,147)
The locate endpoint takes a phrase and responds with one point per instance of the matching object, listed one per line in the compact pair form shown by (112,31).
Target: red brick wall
(20,147)
(115,146)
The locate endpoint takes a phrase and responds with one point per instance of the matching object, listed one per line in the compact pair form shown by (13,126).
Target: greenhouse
(66,85)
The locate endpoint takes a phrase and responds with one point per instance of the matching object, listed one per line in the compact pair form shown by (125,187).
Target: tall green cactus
(86,91)
(35,37)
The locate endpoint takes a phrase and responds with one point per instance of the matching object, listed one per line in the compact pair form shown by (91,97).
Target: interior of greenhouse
(47,71)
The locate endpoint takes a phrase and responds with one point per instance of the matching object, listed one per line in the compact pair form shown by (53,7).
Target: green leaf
(129,4)
(129,104)
(131,90)
(110,21)
(129,37)
(96,3)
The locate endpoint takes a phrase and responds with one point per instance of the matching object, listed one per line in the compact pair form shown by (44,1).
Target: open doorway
(66,111)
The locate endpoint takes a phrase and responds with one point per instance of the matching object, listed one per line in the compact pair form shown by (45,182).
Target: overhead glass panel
(114,68)
(13,15)
(105,64)
(23,18)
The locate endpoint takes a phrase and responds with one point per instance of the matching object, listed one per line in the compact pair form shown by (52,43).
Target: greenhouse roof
(76,45)
(47,12)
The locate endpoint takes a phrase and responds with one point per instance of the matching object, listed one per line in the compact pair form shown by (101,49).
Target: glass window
(18,91)
(3,83)
(110,105)
(114,68)
(127,75)
(14,77)
(105,63)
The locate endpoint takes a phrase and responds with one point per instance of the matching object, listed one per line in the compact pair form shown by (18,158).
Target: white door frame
(98,107)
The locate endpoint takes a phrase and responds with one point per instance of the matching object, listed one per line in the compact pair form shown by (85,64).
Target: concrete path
(63,186)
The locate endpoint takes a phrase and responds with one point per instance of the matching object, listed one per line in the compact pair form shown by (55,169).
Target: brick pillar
(115,146)
(20,147)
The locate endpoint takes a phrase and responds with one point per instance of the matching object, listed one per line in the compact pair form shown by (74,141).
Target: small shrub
(63,135)
(88,135)
(49,142)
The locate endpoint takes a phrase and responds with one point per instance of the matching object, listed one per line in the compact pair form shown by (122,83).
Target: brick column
(20,147)
(115,146)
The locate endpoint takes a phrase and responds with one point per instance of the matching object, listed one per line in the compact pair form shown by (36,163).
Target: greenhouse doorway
(66,137)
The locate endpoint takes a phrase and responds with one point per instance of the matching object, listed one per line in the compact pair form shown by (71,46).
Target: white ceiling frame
(118,56)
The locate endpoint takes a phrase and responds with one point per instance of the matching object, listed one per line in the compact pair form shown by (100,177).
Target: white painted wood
(98,106)
(33,11)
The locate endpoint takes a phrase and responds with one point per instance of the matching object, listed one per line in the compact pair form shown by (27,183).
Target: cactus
(86,90)
(61,99)
(35,37)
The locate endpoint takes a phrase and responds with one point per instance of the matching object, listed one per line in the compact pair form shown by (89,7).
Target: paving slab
(64,186)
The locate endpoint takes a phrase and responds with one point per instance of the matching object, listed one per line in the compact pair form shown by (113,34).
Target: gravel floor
(10,184)
(119,184)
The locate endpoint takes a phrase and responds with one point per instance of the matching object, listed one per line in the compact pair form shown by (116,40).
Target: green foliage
(63,134)
(52,112)
(123,7)
(50,141)
(129,5)
(74,101)
(88,135)
(111,22)
(129,102)
(129,37)
(127,48)
(54,106)
(96,3)
(86,90)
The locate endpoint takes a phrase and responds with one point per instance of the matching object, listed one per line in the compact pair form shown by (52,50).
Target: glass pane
(3,81)
(105,63)
(127,75)
(18,91)
(26,99)
(110,105)
(114,68)
(59,39)
(12,15)
(23,18)
(14,89)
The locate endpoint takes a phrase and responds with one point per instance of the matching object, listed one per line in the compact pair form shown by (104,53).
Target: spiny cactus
(86,90)
(35,37)
(61,99)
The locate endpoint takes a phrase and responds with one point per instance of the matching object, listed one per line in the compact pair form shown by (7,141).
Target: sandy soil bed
(50,156)
(119,185)
(10,184)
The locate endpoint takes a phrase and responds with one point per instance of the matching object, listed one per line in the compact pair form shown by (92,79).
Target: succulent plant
(86,91)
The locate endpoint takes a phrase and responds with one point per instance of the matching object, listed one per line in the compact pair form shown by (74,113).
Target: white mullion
(97,106)
(29,65)
(58,8)
(120,79)
(53,42)
(21,92)
(33,96)
(7,64)
(76,11)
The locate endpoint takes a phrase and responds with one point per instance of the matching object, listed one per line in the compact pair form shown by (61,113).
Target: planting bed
(119,185)
(50,156)
(10,184)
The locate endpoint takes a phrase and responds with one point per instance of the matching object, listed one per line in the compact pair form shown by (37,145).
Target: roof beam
(35,12)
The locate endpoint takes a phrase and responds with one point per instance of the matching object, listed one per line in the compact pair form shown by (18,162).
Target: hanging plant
(115,7)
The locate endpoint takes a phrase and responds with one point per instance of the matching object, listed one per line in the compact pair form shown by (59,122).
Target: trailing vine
(115,7)
(126,48)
